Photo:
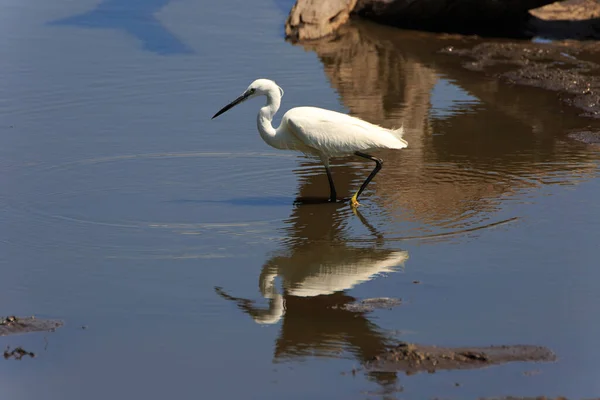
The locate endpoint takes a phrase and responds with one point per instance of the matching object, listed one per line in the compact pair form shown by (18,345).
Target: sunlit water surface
(178,244)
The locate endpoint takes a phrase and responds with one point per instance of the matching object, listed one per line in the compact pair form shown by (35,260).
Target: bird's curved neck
(265,118)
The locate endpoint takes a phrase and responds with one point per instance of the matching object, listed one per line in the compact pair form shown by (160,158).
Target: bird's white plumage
(333,134)
(316,130)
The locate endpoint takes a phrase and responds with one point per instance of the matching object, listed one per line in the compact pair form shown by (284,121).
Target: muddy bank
(413,358)
(17,325)
(552,67)
(556,67)
(587,137)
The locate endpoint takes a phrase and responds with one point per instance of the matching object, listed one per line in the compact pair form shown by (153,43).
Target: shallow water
(177,243)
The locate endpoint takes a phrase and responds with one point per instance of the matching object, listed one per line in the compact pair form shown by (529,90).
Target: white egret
(319,132)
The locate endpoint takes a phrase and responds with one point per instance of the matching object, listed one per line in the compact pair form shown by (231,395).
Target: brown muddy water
(173,249)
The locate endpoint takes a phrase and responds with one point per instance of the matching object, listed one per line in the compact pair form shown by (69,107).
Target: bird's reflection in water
(317,266)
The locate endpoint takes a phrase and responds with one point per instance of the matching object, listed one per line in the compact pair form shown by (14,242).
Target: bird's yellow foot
(354,201)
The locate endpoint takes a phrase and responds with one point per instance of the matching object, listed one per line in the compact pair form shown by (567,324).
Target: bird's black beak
(232,104)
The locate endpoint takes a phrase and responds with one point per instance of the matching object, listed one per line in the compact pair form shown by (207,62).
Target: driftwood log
(312,19)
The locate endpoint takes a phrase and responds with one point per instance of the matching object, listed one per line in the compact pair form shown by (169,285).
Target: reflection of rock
(412,358)
(481,152)
(376,82)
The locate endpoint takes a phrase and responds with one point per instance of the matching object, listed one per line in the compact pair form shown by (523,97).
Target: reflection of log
(376,82)
(481,151)
(386,85)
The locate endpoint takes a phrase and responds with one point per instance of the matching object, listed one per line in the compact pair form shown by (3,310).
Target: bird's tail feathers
(398,134)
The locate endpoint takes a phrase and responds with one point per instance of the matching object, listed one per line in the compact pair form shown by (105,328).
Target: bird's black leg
(332,194)
(378,165)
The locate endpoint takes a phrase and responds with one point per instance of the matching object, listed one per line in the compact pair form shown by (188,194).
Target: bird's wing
(335,133)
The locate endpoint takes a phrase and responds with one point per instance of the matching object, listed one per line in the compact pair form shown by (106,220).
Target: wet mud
(562,67)
(587,137)
(368,305)
(17,353)
(414,358)
(13,325)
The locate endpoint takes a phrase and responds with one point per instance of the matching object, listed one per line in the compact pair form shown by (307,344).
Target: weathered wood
(312,19)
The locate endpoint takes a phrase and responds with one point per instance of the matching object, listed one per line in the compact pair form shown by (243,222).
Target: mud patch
(586,137)
(16,325)
(553,67)
(17,353)
(414,358)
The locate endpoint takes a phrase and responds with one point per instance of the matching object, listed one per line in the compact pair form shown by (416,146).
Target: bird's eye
(252,90)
